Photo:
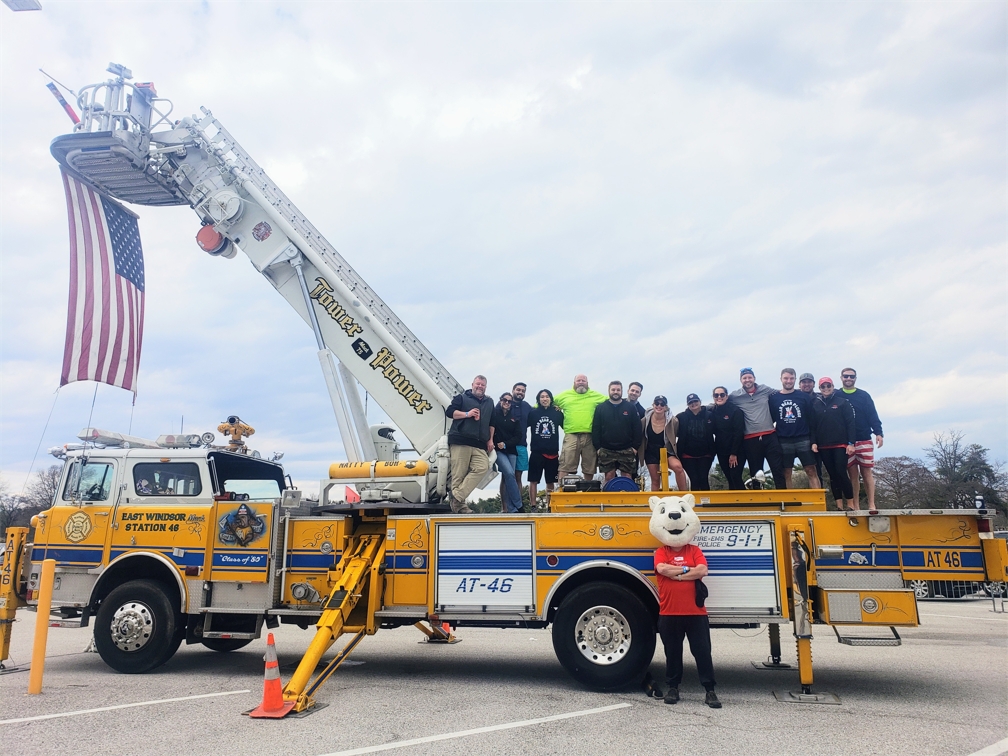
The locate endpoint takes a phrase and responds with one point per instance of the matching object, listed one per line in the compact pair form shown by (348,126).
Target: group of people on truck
(832,428)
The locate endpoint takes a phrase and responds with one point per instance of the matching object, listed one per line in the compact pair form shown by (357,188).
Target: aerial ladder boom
(118,149)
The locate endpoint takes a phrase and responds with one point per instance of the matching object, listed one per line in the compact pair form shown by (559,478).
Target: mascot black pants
(696,627)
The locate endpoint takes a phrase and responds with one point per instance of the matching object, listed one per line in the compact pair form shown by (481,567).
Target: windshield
(256,489)
(240,474)
(89,481)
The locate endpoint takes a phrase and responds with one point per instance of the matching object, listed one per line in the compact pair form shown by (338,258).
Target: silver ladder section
(237,157)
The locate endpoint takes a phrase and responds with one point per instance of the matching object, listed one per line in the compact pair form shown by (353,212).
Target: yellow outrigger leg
(801,621)
(356,576)
(10,577)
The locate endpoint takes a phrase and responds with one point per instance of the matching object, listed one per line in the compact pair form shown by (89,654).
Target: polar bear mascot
(673,521)
(679,564)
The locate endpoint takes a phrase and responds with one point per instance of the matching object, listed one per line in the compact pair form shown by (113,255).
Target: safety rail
(227,149)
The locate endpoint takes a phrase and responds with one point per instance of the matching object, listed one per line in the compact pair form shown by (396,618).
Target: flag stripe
(105,309)
(114,363)
(104,281)
(139,335)
(72,306)
(87,324)
(127,382)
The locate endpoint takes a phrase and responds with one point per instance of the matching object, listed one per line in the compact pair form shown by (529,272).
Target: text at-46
(939,558)
(469,585)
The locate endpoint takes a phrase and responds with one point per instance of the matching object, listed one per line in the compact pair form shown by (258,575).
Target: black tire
(922,588)
(180,633)
(136,628)
(602,665)
(225,644)
(995,590)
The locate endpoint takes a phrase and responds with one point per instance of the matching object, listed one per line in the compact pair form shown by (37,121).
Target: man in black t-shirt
(545,420)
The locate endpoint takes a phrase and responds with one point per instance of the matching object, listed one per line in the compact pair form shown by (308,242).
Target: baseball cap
(806,377)
(743,371)
(692,398)
(660,400)
(825,379)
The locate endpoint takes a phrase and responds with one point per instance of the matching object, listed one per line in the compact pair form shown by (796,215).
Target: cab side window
(167,479)
(89,481)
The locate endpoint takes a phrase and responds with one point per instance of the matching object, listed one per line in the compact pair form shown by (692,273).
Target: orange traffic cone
(273,705)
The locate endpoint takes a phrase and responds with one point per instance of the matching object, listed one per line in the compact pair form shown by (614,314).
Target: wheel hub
(132,626)
(602,635)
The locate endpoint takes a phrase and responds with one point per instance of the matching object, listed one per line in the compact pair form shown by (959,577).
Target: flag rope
(41,439)
(93,398)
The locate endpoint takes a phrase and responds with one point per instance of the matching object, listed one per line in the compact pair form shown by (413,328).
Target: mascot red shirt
(675,524)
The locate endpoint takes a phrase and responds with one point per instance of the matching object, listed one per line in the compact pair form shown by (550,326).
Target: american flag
(106,310)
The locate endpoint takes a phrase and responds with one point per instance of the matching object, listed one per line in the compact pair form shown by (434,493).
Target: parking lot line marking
(963,616)
(479,730)
(995,749)
(80,712)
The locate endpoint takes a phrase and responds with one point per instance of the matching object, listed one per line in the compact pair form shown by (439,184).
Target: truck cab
(154,542)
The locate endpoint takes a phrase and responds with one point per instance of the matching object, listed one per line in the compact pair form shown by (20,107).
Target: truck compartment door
(241,541)
(485,567)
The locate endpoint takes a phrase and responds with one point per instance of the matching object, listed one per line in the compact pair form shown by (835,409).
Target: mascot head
(673,521)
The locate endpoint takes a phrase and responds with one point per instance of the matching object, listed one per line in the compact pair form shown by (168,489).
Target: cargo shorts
(624,460)
(577,447)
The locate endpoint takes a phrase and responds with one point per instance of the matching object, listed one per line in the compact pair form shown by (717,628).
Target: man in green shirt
(578,405)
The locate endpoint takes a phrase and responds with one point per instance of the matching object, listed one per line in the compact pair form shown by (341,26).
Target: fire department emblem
(241,527)
(78,527)
(261,231)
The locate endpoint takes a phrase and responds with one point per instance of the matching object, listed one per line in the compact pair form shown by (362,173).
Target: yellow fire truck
(156,546)
(160,542)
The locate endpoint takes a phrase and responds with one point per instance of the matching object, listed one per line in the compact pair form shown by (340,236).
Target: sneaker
(711,700)
(672,697)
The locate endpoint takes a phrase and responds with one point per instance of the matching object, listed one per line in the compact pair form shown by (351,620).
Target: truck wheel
(995,589)
(604,636)
(921,588)
(171,648)
(225,644)
(136,627)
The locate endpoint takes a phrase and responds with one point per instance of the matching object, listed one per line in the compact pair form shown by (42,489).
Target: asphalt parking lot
(944,691)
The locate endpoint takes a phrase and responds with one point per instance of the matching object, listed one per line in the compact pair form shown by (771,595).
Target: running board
(861,640)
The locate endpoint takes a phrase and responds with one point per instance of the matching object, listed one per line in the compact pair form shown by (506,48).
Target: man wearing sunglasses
(835,440)
(866,423)
(760,442)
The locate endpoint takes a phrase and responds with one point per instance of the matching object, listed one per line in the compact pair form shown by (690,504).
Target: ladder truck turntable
(172,540)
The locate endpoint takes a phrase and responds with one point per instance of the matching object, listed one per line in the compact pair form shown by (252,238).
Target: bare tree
(10,506)
(17,510)
(963,471)
(902,482)
(42,492)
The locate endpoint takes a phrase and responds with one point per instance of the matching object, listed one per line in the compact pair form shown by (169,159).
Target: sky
(659,192)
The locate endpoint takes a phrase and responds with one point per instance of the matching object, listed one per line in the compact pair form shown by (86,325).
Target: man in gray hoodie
(760,441)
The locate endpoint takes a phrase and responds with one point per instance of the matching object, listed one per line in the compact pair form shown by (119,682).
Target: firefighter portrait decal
(241,527)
